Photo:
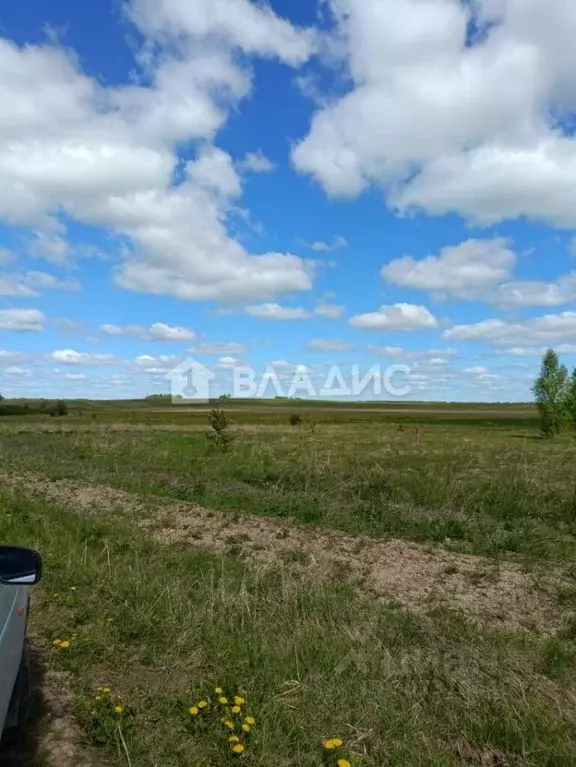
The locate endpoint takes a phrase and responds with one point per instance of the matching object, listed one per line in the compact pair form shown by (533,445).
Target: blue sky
(306,183)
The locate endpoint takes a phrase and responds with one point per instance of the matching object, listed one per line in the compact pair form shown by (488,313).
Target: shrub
(220,437)
(295,419)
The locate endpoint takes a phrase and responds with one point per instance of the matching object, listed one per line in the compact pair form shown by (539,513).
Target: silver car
(19,569)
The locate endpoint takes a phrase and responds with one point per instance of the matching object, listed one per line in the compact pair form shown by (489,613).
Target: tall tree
(551,391)
(571,398)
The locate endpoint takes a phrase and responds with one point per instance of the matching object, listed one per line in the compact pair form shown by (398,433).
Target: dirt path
(499,595)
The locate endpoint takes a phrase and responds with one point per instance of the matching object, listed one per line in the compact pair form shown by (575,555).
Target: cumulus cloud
(546,329)
(31,283)
(256,162)
(338,243)
(273,311)
(396,317)
(467,270)
(108,155)
(329,311)
(72,357)
(22,320)
(159,331)
(445,123)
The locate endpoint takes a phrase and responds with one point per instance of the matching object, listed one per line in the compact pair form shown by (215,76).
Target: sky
(300,183)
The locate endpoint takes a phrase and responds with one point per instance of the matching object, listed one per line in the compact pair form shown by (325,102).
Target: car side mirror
(19,566)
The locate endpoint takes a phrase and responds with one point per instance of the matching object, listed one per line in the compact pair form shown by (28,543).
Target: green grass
(488,489)
(162,625)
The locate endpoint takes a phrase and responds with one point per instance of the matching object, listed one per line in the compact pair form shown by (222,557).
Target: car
(19,569)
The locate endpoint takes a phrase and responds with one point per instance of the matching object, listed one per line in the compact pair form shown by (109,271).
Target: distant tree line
(52,408)
(555,395)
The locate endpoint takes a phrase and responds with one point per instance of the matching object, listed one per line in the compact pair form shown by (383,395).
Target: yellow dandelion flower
(343,763)
(98,697)
(106,690)
(233,739)
(65,644)
(246,727)
(218,691)
(202,704)
(56,642)
(250,720)
(229,724)
(118,709)
(238,748)
(193,710)
(239,701)
(99,689)
(235,709)
(331,743)
(223,700)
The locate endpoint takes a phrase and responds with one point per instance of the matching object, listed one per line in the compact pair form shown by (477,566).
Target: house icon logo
(190,382)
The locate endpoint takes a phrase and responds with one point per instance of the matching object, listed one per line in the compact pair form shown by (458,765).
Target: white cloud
(22,320)
(537,351)
(162,362)
(388,351)
(338,243)
(330,345)
(256,162)
(72,357)
(13,370)
(240,23)
(525,293)
(272,311)
(546,329)
(74,376)
(31,283)
(446,125)
(466,270)
(156,332)
(107,155)
(216,348)
(228,363)
(396,317)
(329,311)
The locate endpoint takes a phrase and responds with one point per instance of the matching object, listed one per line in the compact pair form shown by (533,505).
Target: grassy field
(164,619)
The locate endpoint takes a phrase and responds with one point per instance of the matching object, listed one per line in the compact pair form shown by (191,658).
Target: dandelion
(118,709)
(343,763)
(229,724)
(238,748)
(331,743)
(64,644)
(233,739)
(193,710)
(202,704)
(98,697)
(73,588)
(239,701)
(56,643)
(235,709)
(223,700)
(218,691)
(106,690)
(250,720)
(246,727)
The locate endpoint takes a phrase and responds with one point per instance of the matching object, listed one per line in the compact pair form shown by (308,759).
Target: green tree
(551,392)
(571,398)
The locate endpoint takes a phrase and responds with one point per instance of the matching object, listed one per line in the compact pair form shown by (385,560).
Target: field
(404,581)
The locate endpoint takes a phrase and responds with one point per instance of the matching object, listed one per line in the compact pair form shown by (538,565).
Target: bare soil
(495,594)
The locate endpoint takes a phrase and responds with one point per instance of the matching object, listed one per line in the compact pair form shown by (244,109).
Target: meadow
(403,582)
